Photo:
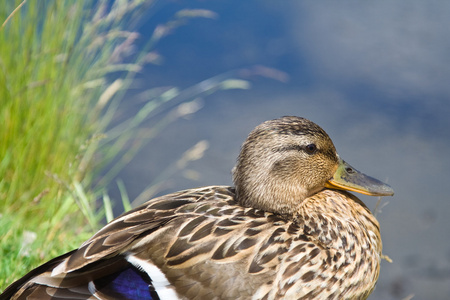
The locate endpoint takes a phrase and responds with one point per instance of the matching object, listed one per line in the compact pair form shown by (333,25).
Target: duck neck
(340,220)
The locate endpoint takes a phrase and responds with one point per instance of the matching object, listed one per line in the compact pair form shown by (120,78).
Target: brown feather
(279,234)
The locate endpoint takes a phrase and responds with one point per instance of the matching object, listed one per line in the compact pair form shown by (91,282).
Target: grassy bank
(55,57)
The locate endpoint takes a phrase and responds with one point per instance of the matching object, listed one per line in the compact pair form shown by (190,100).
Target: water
(374,75)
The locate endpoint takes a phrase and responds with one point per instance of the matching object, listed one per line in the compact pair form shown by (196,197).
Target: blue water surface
(375,75)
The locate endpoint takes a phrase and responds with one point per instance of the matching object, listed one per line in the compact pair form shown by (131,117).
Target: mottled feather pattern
(231,239)
(214,230)
(283,232)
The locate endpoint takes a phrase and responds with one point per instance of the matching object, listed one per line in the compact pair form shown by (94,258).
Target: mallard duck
(286,230)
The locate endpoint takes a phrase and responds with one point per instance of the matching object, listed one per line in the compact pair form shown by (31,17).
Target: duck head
(286,160)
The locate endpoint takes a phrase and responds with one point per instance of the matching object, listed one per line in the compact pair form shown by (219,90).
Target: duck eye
(311,148)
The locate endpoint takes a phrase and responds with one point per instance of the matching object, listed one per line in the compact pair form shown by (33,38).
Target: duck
(289,228)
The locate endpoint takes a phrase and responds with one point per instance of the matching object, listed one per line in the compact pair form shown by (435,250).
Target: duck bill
(348,178)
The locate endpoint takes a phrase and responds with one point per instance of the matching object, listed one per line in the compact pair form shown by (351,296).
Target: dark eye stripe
(288,148)
(294,147)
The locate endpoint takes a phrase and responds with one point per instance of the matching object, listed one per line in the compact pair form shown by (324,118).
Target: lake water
(374,75)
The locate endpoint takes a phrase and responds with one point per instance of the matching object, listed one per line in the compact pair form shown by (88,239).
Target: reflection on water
(371,75)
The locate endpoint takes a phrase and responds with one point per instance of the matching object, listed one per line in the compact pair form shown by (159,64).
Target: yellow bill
(348,178)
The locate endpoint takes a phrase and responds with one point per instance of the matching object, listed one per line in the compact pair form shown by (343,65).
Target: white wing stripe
(162,286)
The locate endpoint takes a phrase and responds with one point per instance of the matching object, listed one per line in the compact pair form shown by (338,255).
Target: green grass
(55,57)
(58,101)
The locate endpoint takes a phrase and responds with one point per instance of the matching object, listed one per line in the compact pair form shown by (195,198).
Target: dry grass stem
(13,13)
